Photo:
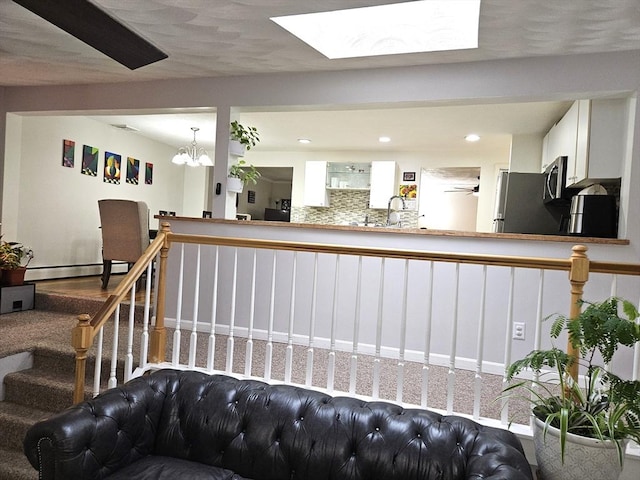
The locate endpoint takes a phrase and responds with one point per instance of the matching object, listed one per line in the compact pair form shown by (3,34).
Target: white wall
(526,153)
(53,209)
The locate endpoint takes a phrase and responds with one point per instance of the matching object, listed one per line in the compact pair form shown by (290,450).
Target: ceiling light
(384,139)
(409,27)
(192,155)
(472,137)
(304,140)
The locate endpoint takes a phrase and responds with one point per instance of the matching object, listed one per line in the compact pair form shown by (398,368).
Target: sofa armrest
(98,437)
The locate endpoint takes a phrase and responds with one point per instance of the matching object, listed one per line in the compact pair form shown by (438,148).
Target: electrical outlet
(518,330)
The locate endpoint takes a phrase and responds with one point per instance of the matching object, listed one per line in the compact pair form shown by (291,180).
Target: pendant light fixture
(192,155)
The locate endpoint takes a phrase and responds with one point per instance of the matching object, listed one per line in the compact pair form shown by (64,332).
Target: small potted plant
(595,419)
(242,138)
(14,259)
(240,174)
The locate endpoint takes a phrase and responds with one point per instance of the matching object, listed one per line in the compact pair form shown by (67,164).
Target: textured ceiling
(207,38)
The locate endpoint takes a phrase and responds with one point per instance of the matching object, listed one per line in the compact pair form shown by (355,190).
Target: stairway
(44,389)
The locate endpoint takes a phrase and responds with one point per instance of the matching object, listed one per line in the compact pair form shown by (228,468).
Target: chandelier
(192,155)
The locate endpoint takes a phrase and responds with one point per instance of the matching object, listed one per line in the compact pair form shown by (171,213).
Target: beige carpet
(24,331)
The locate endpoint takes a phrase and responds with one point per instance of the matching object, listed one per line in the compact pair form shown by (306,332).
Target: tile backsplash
(349,207)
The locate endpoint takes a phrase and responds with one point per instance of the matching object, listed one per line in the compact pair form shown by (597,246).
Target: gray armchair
(125,232)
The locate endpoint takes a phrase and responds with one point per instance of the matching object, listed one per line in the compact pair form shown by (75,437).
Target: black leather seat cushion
(167,468)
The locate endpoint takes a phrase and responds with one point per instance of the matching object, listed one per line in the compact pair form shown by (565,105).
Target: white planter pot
(583,457)
(234,184)
(236,148)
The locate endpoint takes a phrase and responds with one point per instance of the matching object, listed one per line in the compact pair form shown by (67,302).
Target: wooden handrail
(84,332)
(468,258)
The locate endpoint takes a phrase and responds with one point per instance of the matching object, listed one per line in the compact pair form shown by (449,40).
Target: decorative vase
(584,457)
(13,277)
(236,148)
(234,185)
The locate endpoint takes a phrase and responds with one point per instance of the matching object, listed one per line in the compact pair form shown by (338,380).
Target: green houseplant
(606,407)
(247,137)
(14,259)
(240,174)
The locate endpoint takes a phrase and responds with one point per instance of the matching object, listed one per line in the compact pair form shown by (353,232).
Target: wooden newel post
(578,276)
(81,341)
(158,336)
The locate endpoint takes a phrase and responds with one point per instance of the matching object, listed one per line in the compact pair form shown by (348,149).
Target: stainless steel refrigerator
(520,207)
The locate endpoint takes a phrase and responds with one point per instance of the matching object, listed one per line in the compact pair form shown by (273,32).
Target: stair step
(63,361)
(15,466)
(41,389)
(15,420)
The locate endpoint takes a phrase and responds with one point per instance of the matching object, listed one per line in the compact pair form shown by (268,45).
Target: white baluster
(504,418)
(144,341)
(403,333)
(113,380)
(312,322)
(289,353)
(248,359)
(331,368)
(193,341)
(376,361)
(128,359)
(426,366)
(272,301)
(177,334)
(353,373)
(480,347)
(451,376)
(97,368)
(211,350)
(232,315)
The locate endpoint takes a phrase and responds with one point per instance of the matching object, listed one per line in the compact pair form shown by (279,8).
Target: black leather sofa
(189,425)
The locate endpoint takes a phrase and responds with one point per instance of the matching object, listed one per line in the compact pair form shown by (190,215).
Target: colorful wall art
(68,153)
(90,161)
(133,170)
(112,162)
(148,173)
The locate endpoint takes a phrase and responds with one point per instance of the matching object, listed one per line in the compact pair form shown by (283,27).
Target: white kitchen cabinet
(383,183)
(315,187)
(561,139)
(600,142)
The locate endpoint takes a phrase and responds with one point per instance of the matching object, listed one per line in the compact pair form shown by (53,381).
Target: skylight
(409,27)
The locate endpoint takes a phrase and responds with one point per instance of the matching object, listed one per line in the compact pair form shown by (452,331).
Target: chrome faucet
(404,206)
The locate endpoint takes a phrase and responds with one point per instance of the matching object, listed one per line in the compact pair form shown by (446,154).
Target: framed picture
(68,153)
(409,176)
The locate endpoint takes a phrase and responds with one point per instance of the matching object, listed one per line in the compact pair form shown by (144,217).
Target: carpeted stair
(44,389)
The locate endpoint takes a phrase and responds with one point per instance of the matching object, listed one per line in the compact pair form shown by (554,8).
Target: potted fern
(242,138)
(581,428)
(240,174)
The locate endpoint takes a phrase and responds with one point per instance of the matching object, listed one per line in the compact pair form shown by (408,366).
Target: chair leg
(106,273)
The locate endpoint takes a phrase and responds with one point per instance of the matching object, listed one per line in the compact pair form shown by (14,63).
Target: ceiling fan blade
(96,28)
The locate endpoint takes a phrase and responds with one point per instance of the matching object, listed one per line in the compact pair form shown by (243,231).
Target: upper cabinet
(379,178)
(561,139)
(348,176)
(315,187)
(591,135)
(600,142)
(383,183)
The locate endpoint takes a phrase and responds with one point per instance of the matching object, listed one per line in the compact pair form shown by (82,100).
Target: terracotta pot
(584,457)
(13,277)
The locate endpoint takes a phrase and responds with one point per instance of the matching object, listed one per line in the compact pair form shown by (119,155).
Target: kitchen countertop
(407,231)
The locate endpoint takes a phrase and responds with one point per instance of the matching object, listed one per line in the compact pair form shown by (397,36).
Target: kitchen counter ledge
(408,231)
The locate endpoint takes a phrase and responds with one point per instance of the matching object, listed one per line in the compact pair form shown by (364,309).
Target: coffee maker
(593,216)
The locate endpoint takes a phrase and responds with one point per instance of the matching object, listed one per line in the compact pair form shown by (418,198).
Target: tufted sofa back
(263,432)
(278,432)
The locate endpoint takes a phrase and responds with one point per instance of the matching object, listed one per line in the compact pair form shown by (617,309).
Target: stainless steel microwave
(555,181)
